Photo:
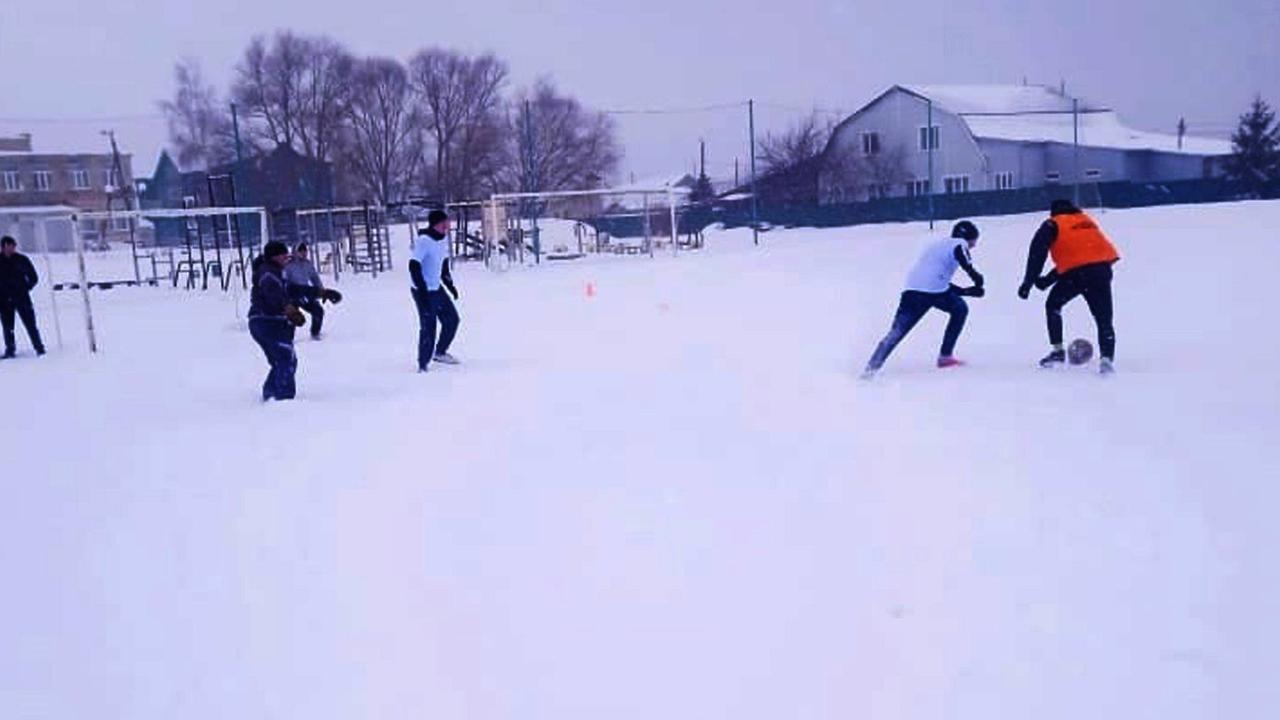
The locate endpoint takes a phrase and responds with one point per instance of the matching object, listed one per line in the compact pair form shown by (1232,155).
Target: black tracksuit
(17,279)
(1092,281)
(272,330)
(433,306)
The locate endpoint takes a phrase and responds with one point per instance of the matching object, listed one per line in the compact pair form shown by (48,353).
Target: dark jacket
(17,276)
(269,294)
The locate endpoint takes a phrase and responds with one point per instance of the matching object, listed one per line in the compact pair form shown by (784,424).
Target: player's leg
(1097,293)
(958,311)
(911,308)
(1063,292)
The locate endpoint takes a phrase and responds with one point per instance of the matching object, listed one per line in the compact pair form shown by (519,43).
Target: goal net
(520,229)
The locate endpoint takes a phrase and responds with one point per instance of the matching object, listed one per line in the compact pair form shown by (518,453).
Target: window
(120,223)
(929,138)
(11,181)
(879,192)
(917,188)
(1093,174)
(956,184)
(1052,178)
(1003,181)
(870,143)
(42,180)
(79,179)
(109,178)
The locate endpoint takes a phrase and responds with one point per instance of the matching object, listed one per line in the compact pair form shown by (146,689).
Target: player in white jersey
(929,286)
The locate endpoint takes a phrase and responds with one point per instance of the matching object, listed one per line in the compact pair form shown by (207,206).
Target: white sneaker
(447,359)
(1106,367)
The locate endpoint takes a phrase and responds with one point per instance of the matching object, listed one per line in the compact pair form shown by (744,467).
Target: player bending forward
(929,286)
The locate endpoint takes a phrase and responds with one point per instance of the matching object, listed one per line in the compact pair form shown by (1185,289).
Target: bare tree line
(800,165)
(444,123)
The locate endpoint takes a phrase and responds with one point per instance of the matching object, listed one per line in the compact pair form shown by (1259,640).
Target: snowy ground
(669,500)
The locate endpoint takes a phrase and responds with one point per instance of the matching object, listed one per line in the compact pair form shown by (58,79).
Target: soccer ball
(1079,352)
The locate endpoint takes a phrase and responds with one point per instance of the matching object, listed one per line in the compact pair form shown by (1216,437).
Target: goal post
(528,227)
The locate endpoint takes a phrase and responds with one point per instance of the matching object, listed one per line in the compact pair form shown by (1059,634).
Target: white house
(1000,137)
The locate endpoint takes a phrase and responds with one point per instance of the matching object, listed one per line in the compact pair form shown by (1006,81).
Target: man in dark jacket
(272,319)
(430,279)
(17,279)
(306,289)
(1082,258)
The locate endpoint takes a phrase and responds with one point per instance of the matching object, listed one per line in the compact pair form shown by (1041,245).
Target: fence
(737,213)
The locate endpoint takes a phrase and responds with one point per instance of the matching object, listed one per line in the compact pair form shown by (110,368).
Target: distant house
(35,179)
(277,181)
(998,137)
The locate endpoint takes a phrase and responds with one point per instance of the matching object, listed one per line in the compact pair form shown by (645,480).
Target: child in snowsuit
(272,319)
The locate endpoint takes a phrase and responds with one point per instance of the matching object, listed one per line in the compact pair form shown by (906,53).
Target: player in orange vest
(1082,259)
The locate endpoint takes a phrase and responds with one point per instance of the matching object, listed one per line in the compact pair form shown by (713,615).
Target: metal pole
(755,208)
(42,233)
(84,285)
(675,233)
(648,233)
(928,143)
(235,130)
(1075,129)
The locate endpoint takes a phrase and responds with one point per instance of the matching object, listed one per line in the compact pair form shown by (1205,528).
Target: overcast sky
(1152,60)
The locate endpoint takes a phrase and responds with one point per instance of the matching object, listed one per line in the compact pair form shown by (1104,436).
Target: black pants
(434,305)
(306,298)
(1094,283)
(911,308)
(275,337)
(21,305)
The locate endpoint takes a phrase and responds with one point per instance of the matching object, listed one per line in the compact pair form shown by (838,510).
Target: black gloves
(453,290)
(1046,282)
(978,280)
(975,291)
(1024,290)
(295,316)
(332,296)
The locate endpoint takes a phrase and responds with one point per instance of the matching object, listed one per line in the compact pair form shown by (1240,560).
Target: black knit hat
(965,230)
(1062,207)
(275,248)
(435,217)
(8,240)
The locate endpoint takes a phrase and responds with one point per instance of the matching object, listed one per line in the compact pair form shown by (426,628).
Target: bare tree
(295,91)
(383,148)
(199,122)
(459,99)
(793,160)
(851,175)
(794,146)
(559,144)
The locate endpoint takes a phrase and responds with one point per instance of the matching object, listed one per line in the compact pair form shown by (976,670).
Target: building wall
(897,117)
(61,188)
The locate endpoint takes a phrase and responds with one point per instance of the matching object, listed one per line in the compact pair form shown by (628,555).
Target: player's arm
(415,274)
(446,278)
(966,264)
(1038,253)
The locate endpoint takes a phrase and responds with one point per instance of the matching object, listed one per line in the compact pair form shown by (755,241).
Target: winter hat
(275,248)
(965,230)
(435,217)
(8,240)
(1062,207)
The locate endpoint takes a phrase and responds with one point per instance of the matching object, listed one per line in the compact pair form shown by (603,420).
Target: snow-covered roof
(1034,113)
(141,137)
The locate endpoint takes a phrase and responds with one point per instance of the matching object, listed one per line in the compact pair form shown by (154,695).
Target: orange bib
(1080,242)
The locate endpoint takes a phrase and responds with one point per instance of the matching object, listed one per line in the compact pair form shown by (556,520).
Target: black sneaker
(1054,359)
(9,354)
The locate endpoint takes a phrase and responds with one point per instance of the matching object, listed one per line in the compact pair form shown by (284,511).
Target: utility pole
(126,193)
(1182,131)
(235,131)
(1075,132)
(702,158)
(735,172)
(755,204)
(928,143)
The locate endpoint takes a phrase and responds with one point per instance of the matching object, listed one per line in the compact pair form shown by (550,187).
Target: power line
(676,111)
(71,120)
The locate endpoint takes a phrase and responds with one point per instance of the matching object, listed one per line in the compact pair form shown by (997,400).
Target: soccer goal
(520,229)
